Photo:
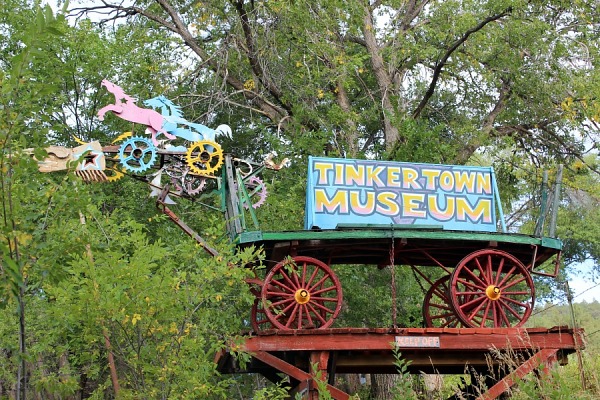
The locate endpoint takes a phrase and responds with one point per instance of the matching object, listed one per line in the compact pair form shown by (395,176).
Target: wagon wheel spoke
(499,272)
(480,268)
(477,280)
(308,296)
(491,288)
(324,290)
(312,277)
(294,273)
(304,267)
(485,314)
(285,276)
(509,308)
(471,303)
(513,283)
(323,308)
(473,313)
(281,285)
(258,319)
(516,302)
(319,283)
(437,310)
(308,317)
(281,302)
(317,314)
(293,315)
(283,312)
(472,285)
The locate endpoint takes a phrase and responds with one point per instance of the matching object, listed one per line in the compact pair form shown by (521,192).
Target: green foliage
(276,392)
(404,388)
(164,314)
(518,94)
(362,284)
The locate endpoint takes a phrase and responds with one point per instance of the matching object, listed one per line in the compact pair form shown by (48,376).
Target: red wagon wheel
(259,320)
(493,289)
(301,293)
(437,308)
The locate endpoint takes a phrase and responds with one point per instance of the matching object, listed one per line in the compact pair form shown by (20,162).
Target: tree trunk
(382,386)
(384,81)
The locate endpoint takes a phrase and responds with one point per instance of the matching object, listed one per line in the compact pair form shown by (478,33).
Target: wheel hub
(493,292)
(302,296)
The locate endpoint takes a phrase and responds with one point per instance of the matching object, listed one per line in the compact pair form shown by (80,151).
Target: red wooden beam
(545,356)
(463,339)
(304,377)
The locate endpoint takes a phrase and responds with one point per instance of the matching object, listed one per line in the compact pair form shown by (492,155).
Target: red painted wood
(542,357)
(368,350)
(297,373)
(465,339)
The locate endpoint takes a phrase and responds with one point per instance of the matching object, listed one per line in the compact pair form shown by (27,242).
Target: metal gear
(115,171)
(204,157)
(137,154)
(112,164)
(256,188)
(243,166)
(193,184)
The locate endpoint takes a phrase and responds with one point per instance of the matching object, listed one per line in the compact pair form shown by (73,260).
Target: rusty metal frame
(161,205)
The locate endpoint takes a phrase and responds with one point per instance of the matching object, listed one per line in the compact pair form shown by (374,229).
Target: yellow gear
(204,157)
(122,136)
(117,172)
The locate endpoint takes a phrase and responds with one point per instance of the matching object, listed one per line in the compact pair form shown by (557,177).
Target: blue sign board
(356,192)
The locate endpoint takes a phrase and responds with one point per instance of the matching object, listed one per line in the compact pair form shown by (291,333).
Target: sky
(582,285)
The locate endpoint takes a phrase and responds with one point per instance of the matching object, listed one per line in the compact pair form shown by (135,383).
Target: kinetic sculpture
(189,162)
(424,216)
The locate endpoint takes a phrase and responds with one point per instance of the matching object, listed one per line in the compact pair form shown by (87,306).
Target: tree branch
(252,56)
(177,26)
(442,62)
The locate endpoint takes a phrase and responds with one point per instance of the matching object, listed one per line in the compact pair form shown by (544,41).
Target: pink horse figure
(129,111)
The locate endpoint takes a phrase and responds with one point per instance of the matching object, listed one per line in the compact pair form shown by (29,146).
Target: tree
(380,75)
(19,118)
(489,83)
(71,294)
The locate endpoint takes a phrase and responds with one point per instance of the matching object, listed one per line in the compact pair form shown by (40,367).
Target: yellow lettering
(355,175)
(339,174)
(484,183)
(393,177)
(430,175)
(373,178)
(338,203)
(465,179)
(481,212)
(362,208)
(409,177)
(387,204)
(447,181)
(323,168)
(412,204)
(439,214)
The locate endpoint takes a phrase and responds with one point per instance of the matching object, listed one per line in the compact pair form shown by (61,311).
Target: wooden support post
(319,362)
(543,357)
(306,379)
(232,206)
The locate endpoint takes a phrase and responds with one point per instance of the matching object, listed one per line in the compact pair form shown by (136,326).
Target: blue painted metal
(174,122)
